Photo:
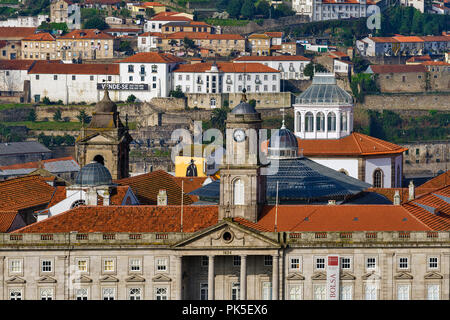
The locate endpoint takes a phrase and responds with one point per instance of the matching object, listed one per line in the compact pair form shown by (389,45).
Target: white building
(155,23)
(148,41)
(318,10)
(418,4)
(28,22)
(290,67)
(13,74)
(324,123)
(226,77)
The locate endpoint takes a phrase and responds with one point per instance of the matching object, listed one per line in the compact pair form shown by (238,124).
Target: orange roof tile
(87,34)
(148,33)
(6,220)
(403,192)
(44,67)
(419,58)
(435,63)
(383,39)
(151,57)
(401,38)
(146,188)
(258,36)
(169,18)
(275,47)
(272,58)
(42,36)
(153,4)
(439,181)
(203,35)
(15,32)
(228,67)
(24,192)
(16,64)
(274,34)
(127,219)
(397,68)
(190,183)
(340,218)
(435,38)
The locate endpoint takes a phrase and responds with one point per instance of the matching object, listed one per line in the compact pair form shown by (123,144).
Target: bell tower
(105,140)
(242,187)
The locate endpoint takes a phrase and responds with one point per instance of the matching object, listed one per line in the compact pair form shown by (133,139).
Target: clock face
(239,135)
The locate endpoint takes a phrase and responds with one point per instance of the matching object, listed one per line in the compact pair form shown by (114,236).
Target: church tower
(105,140)
(242,187)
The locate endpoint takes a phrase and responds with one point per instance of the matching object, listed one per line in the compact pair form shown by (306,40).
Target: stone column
(348,122)
(210,277)
(275,261)
(302,124)
(243,281)
(338,124)
(179,278)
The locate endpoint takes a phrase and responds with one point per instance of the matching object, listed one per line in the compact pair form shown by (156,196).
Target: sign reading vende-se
(122,86)
(333,277)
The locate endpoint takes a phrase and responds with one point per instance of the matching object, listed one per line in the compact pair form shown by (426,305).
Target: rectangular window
(142,79)
(204,261)
(203,291)
(346,292)
(294,263)
(108,265)
(161,293)
(403,291)
(320,292)
(268,261)
(46,266)
(109,293)
(15,294)
(371,263)
(371,292)
(403,263)
(161,264)
(135,265)
(46,294)
(91,78)
(266,293)
(433,291)
(236,261)
(55,77)
(81,294)
(235,291)
(82,265)
(73,77)
(15,266)
(130,68)
(295,292)
(135,294)
(433,262)
(346,263)
(320,263)
(130,78)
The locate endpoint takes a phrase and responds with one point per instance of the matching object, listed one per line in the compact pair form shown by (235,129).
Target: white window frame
(47,293)
(78,260)
(108,293)
(161,292)
(370,288)
(42,265)
(20,266)
(295,292)
(135,293)
(104,265)
(370,267)
(235,293)
(434,296)
(137,266)
(160,266)
(402,261)
(268,261)
(346,292)
(81,294)
(323,293)
(429,263)
(316,263)
(402,289)
(292,262)
(18,293)
(203,291)
(349,263)
(266,290)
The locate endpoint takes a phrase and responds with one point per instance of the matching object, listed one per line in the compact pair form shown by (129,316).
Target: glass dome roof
(93,174)
(324,90)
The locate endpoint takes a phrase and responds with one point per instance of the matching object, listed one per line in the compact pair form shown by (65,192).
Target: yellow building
(140,9)
(198,161)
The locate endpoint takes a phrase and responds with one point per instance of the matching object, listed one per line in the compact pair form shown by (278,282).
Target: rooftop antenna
(276,210)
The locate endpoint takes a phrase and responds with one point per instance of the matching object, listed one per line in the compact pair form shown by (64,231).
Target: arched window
(378,178)
(77,203)
(213,103)
(299,122)
(320,122)
(238,192)
(331,121)
(343,121)
(98,158)
(309,122)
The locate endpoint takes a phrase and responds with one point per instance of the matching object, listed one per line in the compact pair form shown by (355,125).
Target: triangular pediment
(46,279)
(433,275)
(109,279)
(371,276)
(319,276)
(403,276)
(161,278)
(98,138)
(134,278)
(82,279)
(295,276)
(16,280)
(227,234)
(347,276)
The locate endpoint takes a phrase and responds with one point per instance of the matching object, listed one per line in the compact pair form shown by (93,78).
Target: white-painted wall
(292,70)
(12,80)
(348,164)
(379,163)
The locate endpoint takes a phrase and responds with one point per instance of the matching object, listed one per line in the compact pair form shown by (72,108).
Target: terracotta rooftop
(403,192)
(435,38)
(6,220)
(340,218)
(41,36)
(272,58)
(16,64)
(149,33)
(203,36)
(15,32)
(435,63)
(36,164)
(169,18)
(228,67)
(45,67)
(401,38)
(152,57)
(383,39)
(419,58)
(146,188)
(24,192)
(127,219)
(274,34)
(397,68)
(440,181)
(87,34)
(103,1)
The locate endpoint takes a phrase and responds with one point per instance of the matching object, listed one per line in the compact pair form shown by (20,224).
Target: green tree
(46,100)
(417,22)
(263,8)
(131,98)
(83,117)
(32,115)
(310,67)
(189,43)
(57,115)
(95,23)
(149,12)
(234,8)
(177,93)
(218,118)
(248,9)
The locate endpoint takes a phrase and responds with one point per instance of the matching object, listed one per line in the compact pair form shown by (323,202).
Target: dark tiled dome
(93,174)
(243,108)
(283,139)
(106,105)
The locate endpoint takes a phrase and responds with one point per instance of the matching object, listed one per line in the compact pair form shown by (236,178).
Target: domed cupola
(94,174)
(283,144)
(105,105)
(244,107)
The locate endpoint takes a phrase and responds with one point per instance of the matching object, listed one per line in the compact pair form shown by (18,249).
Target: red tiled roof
(16,64)
(419,58)
(275,47)
(274,34)
(398,68)
(146,188)
(58,196)
(383,39)
(401,38)
(87,34)
(71,68)
(28,165)
(435,63)
(15,32)
(203,36)
(190,183)
(272,58)
(338,54)
(6,220)
(106,2)
(153,4)
(3,43)
(166,16)
(440,181)
(152,57)
(403,192)
(24,192)
(340,218)
(431,209)
(41,36)
(435,38)
(127,219)
(148,33)
(228,67)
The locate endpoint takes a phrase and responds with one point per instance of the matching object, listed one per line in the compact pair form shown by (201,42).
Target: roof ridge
(414,216)
(356,141)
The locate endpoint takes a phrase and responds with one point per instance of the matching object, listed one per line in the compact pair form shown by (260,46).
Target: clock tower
(242,187)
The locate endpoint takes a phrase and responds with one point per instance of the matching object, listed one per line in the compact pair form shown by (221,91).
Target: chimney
(162,197)
(331,202)
(397,198)
(91,197)
(411,195)
(106,197)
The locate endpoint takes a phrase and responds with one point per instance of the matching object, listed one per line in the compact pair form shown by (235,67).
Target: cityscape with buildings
(225,150)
